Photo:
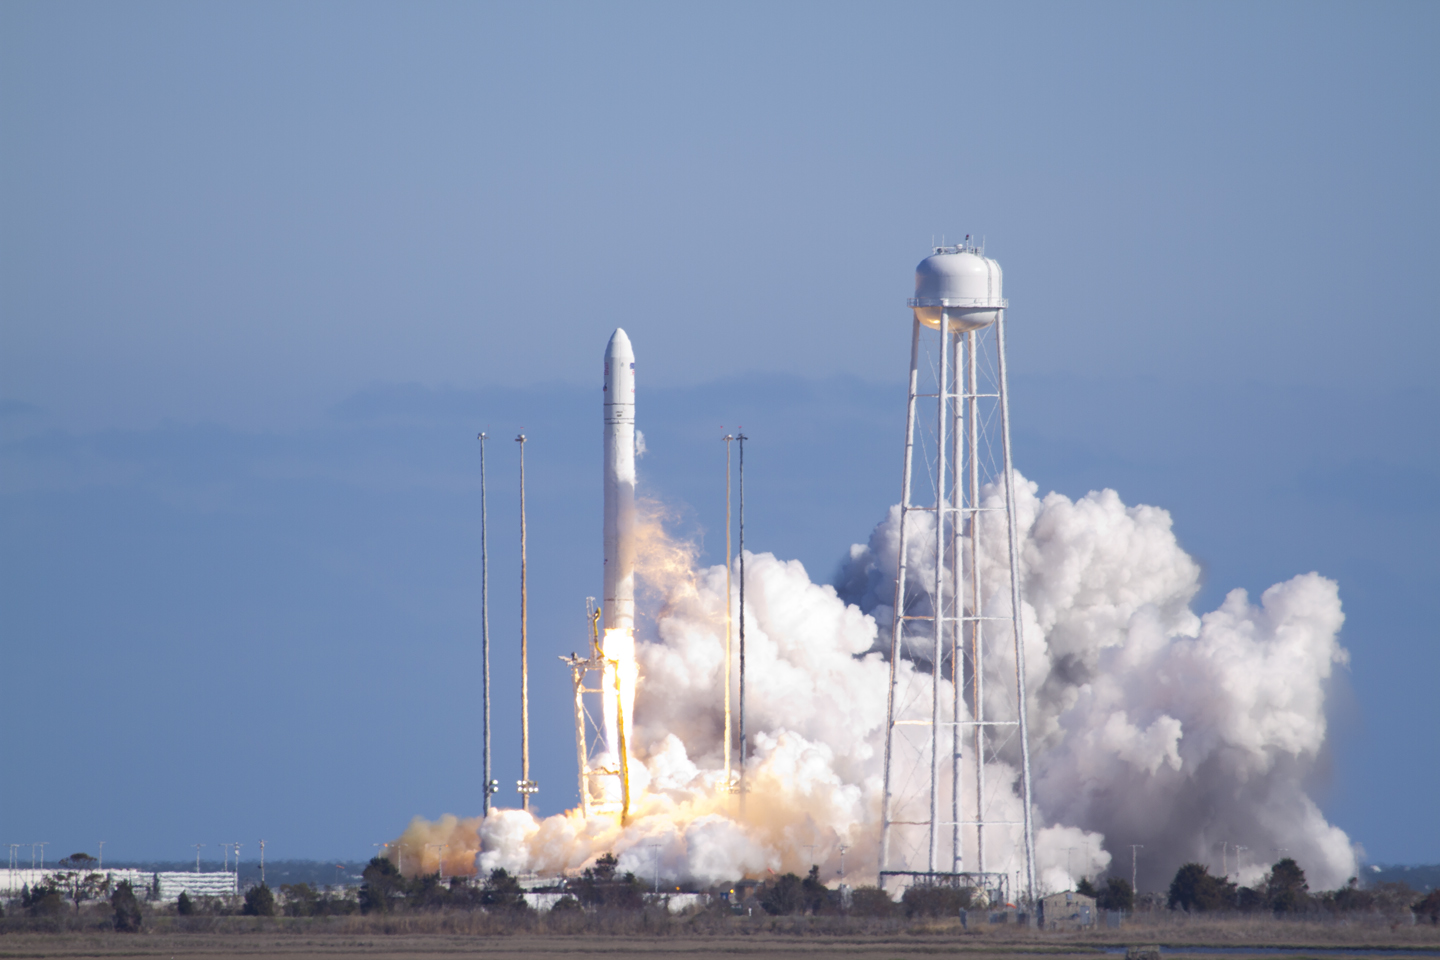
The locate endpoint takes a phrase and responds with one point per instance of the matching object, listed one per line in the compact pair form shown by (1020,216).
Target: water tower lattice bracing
(941,815)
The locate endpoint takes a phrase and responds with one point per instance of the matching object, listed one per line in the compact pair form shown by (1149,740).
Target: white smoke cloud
(1149,724)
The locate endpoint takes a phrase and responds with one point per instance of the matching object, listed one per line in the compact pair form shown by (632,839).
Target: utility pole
(729,735)
(654,849)
(197,847)
(1134,850)
(485,618)
(100,863)
(439,857)
(42,846)
(262,863)
(238,845)
(742,438)
(525,785)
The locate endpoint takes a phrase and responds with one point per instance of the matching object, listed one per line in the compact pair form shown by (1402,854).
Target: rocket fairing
(619,480)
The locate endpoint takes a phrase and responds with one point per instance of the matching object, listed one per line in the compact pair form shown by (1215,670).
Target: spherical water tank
(961,284)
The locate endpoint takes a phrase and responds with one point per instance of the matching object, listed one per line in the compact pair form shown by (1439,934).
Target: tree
(1429,907)
(502,892)
(301,899)
(42,901)
(1116,895)
(82,862)
(382,887)
(184,905)
(784,894)
(259,902)
(127,909)
(1349,898)
(1285,888)
(1193,889)
(1087,888)
(817,896)
(598,886)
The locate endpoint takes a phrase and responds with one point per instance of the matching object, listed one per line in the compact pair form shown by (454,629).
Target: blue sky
(268,268)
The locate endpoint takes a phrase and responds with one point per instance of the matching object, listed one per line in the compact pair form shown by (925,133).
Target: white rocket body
(619,603)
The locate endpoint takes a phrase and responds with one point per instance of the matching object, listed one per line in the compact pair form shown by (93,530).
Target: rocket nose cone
(619,345)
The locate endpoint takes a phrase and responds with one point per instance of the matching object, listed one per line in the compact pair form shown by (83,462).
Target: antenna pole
(527,786)
(485,618)
(729,736)
(742,438)
(262,863)
(197,847)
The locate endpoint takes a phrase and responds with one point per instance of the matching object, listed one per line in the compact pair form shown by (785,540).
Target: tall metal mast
(729,736)
(742,438)
(485,619)
(525,785)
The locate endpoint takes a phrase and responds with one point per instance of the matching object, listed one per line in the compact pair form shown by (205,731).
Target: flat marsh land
(446,938)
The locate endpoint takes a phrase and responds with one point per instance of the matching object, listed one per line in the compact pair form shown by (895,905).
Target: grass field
(459,935)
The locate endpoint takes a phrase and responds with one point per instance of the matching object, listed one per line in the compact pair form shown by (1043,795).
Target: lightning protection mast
(942,624)
(490,783)
(525,785)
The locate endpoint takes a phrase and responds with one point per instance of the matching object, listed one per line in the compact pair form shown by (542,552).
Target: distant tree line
(1284,891)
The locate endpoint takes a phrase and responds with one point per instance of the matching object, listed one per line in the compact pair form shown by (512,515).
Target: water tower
(956,707)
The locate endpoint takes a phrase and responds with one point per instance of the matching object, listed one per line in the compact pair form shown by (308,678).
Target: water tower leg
(898,619)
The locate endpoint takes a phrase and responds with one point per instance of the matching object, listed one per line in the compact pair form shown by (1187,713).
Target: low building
(145,882)
(1067,911)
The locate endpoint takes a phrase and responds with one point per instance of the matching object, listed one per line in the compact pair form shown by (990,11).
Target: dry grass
(656,936)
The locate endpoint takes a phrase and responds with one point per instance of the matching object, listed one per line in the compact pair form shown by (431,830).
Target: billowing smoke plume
(1149,724)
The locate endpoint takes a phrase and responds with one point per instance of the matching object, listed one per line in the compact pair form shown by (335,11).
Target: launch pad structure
(588,731)
(941,626)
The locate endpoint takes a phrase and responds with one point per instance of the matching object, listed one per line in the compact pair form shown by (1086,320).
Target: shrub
(127,908)
(784,894)
(935,901)
(1116,895)
(259,902)
(1285,888)
(1429,907)
(871,902)
(1193,889)
(43,901)
(382,887)
(184,906)
(503,892)
(599,887)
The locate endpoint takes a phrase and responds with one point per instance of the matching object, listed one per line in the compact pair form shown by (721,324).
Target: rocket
(619,480)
